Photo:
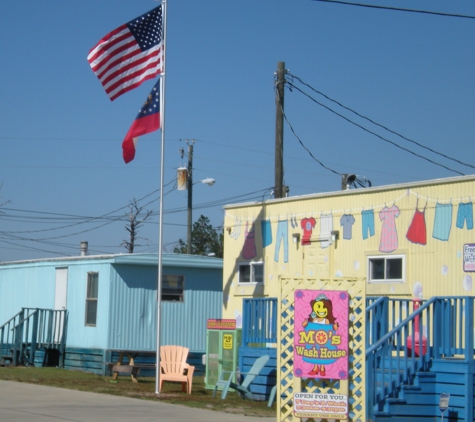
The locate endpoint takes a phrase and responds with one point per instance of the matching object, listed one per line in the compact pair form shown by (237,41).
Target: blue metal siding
(185,323)
(32,286)
(80,335)
(133,308)
(127,307)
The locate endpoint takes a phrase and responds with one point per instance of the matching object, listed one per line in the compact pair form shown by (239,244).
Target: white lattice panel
(354,386)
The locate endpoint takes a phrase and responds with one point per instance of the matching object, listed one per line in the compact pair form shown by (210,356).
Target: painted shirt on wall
(347,221)
(307,225)
(326,227)
(389,241)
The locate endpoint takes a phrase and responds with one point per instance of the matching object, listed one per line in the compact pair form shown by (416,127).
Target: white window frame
(90,300)
(386,258)
(178,297)
(252,265)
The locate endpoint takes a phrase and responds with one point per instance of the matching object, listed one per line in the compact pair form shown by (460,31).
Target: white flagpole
(162,171)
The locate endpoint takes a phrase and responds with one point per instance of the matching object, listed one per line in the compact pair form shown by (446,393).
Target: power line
(371,132)
(31,248)
(309,152)
(226,145)
(85,219)
(398,9)
(223,201)
(11,238)
(380,125)
(295,134)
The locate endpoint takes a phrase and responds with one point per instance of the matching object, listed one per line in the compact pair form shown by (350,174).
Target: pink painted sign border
(321,344)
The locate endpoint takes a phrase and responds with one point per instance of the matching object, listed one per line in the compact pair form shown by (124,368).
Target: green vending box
(222,343)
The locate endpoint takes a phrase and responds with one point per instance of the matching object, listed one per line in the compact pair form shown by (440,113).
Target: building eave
(362,191)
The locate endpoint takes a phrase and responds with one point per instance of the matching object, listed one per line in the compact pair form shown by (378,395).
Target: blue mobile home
(111,301)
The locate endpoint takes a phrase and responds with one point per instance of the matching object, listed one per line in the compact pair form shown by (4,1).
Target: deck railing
(29,330)
(439,327)
(384,313)
(259,321)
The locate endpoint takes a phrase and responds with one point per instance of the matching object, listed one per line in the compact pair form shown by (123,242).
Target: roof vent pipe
(84,248)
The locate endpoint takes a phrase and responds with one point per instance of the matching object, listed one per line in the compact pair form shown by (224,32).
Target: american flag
(130,54)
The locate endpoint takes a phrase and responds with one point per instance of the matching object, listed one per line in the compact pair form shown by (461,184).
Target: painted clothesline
(288,216)
(389,238)
(437,201)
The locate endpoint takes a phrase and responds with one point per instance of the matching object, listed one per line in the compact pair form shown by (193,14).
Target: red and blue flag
(148,120)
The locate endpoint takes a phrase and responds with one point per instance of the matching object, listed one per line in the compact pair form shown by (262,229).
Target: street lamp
(208,181)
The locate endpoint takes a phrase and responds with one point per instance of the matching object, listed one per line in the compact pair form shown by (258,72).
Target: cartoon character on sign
(321,326)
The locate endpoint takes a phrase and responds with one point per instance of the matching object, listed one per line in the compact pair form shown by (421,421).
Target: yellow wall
(433,269)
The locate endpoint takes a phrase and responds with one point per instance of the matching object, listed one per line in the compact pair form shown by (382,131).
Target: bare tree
(133,225)
(6,202)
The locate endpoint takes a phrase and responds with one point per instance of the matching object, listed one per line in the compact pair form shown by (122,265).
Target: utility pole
(279,131)
(190,195)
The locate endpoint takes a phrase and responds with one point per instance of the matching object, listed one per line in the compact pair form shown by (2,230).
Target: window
(383,269)
(252,272)
(91,298)
(172,288)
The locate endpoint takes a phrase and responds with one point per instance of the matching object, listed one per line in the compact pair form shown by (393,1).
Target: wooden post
(279,131)
(190,197)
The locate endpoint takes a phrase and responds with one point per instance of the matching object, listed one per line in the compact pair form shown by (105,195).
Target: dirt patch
(238,410)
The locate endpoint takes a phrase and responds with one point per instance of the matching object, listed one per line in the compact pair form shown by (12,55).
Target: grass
(145,389)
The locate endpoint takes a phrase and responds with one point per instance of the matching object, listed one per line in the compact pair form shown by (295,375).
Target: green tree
(205,240)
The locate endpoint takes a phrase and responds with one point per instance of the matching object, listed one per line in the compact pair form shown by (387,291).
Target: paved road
(27,402)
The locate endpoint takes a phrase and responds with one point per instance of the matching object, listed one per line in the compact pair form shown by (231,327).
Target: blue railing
(440,327)
(32,329)
(403,336)
(383,314)
(259,321)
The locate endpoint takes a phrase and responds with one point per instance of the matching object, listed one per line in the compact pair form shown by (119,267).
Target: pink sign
(321,334)
(469,257)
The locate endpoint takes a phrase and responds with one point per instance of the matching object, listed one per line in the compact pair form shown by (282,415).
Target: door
(61,289)
(60,302)
(213,358)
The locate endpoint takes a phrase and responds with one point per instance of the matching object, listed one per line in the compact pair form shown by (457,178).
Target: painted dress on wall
(417,232)
(389,242)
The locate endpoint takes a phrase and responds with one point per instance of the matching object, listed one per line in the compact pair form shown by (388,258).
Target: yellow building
(404,241)
(408,240)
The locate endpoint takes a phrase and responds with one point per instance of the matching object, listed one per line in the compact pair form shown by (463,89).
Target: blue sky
(61,161)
